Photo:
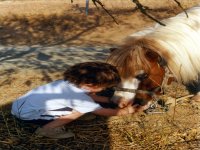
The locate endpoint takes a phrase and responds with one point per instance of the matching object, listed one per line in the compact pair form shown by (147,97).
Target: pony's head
(139,67)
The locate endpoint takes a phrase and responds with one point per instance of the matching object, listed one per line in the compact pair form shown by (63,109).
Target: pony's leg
(195,101)
(194,88)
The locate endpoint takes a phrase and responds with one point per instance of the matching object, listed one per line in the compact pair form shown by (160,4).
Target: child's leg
(63,120)
(39,122)
(54,129)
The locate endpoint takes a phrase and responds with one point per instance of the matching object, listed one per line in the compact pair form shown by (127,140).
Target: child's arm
(115,112)
(63,120)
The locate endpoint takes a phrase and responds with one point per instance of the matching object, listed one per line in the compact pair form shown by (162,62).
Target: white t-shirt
(48,101)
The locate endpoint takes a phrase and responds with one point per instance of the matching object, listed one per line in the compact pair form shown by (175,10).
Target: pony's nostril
(142,76)
(141,102)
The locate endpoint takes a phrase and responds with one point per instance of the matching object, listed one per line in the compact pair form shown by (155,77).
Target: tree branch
(102,6)
(179,4)
(143,10)
(140,6)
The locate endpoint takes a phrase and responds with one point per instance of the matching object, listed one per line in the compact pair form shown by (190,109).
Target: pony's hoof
(195,101)
(196,98)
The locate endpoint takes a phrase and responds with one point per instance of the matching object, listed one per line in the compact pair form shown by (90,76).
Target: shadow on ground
(54,29)
(46,59)
(89,134)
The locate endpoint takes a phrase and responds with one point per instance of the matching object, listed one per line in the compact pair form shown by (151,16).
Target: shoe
(56,133)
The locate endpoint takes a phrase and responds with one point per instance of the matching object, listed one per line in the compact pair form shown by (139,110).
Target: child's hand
(123,102)
(130,109)
(127,110)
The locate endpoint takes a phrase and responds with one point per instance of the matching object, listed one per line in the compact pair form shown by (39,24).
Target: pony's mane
(178,43)
(129,58)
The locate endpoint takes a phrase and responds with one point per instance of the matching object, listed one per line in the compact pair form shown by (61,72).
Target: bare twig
(143,10)
(179,4)
(140,6)
(176,96)
(102,6)
(184,97)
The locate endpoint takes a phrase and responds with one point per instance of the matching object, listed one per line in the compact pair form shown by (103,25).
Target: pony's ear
(113,49)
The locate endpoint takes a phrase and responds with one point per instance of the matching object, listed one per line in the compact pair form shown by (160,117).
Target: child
(63,101)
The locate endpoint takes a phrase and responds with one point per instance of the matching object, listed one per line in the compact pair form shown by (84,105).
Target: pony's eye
(142,76)
(161,61)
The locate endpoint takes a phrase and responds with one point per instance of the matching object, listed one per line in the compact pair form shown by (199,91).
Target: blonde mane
(178,43)
(129,58)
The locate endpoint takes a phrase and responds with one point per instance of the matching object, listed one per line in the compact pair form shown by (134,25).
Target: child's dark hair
(95,73)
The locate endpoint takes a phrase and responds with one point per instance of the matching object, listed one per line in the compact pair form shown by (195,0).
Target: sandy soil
(39,22)
(39,38)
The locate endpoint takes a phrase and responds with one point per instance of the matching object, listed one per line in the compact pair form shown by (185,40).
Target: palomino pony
(146,57)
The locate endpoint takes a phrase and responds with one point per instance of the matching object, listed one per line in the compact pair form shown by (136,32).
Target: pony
(148,58)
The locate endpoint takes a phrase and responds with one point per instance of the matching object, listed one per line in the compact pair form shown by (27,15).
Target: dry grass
(141,131)
(59,22)
(171,130)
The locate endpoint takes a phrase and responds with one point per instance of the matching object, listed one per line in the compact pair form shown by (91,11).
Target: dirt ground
(39,38)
